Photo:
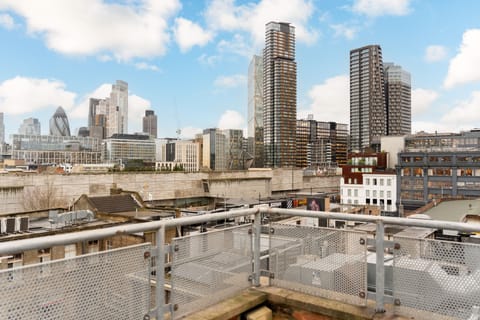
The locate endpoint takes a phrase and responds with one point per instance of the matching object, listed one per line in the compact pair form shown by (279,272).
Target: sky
(188,59)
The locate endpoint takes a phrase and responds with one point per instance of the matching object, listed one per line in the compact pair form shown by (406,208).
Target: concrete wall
(231,184)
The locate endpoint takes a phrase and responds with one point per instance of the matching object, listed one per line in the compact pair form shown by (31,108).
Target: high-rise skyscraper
(59,124)
(398,94)
(2,131)
(30,126)
(117,112)
(255,110)
(150,123)
(368,114)
(279,95)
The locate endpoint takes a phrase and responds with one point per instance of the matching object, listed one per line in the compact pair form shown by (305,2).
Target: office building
(235,155)
(367,183)
(186,157)
(214,149)
(321,144)
(255,111)
(279,95)
(120,148)
(398,97)
(435,166)
(97,117)
(150,123)
(59,124)
(368,113)
(30,126)
(117,115)
(49,149)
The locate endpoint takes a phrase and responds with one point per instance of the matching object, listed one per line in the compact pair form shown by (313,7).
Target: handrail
(16,246)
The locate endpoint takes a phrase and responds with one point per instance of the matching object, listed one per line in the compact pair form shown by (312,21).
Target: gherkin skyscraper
(59,123)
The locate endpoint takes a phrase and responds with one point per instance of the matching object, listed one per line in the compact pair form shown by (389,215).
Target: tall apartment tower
(150,123)
(59,125)
(255,110)
(398,94)
(2,131)
(97,118)
(279,95)
(117,112)
(30,126)
(368,112)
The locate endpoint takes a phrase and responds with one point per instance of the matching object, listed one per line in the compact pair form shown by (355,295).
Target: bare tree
(41,198)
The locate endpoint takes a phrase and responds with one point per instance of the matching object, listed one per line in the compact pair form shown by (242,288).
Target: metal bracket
(266,273)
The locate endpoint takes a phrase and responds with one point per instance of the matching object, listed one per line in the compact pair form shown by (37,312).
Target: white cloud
(95,27)
(80,110)
(431,127)
(252,17)
(435,53)
(237,45)
(422,99)
(330,100)
(136,110)
(146,66)
(6,21)
(342,30)
(208,60)
(465,114)
(189,132)
(231,81)
(189,34)
(376,8)
(462,67)
(22,95)
(231,119)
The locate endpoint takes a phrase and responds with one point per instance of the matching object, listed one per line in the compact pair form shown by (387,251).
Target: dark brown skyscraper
(150,123)
(368,114)
(280,95)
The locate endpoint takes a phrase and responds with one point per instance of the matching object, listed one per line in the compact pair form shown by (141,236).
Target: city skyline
(191,63)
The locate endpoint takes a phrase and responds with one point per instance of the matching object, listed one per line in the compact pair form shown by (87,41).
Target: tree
(42,198)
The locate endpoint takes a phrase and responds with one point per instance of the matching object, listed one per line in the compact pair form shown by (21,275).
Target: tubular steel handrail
(16,246)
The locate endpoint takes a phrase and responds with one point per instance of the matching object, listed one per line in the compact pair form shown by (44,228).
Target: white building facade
(377,189)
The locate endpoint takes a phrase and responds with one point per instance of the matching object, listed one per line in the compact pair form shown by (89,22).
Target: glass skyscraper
(279,95)
(255,110)
(59,124)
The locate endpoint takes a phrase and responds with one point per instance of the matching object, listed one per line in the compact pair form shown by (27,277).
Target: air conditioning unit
(10,225)
(24,224)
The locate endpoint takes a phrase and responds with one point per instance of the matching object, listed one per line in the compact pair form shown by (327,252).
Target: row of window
(374,193)
(378,181)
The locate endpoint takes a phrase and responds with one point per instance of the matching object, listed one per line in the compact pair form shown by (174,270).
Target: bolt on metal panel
(106,285)
(329,263)
(210,267)
(433,278)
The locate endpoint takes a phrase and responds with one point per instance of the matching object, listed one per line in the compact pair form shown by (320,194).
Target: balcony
(410,277)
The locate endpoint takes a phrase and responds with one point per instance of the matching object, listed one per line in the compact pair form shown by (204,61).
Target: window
(367,193)
(381,182)
(374,193)
(349,192)
(367,181)
(389,194)
(389,182)
(381,193)
(355,193)
(374,181)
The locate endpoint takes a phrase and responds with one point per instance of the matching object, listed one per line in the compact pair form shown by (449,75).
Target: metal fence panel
(106,285)
(210,267)
(329,263)
(433,278)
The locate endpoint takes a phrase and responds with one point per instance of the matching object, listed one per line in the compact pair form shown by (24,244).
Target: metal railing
(431,260)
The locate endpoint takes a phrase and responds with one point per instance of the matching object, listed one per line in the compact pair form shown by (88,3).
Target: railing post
(380,267)
(256,248)
(159,273)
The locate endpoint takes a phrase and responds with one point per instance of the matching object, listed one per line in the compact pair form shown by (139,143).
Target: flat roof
(454,210)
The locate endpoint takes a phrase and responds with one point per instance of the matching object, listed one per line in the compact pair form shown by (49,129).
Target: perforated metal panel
(329,263)
(436,279)
(210,267)
(107,285)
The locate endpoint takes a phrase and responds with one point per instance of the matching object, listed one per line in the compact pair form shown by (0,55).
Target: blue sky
(188,60)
